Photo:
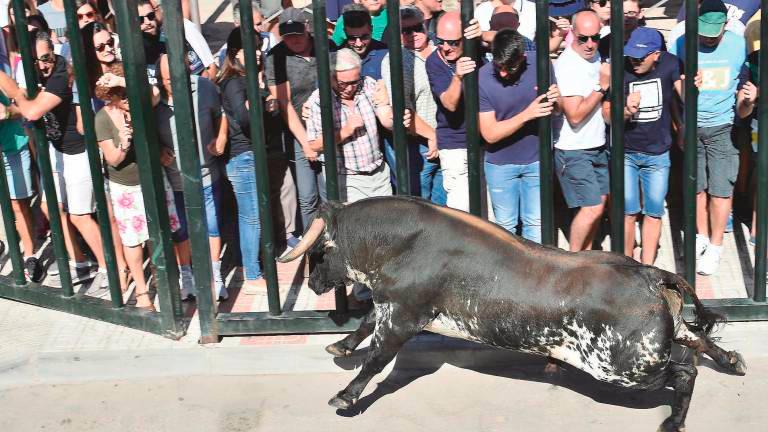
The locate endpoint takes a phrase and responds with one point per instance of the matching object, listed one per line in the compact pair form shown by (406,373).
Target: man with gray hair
(358,108)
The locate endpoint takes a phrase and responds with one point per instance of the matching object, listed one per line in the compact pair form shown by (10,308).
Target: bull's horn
(309,239)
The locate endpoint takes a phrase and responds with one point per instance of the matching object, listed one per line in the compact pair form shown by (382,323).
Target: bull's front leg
(392,329)
(346,346)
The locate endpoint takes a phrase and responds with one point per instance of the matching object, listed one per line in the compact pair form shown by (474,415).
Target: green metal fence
(170,321)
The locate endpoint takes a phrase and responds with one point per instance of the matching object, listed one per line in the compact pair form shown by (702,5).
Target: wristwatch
(599,89)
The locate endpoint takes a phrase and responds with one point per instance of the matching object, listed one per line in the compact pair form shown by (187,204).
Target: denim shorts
(718,161)
(583,175)
(18,171)
(649,174)
(212,198)
(182,234)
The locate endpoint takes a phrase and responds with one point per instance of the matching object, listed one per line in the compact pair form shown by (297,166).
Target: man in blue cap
(721,55)
(651,78)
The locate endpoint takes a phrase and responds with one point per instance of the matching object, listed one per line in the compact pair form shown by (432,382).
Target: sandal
(150,307)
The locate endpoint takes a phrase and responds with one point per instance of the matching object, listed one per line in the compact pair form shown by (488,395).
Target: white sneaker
(701,245)
(709,262)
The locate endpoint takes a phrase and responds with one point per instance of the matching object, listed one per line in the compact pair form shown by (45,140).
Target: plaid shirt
(360,153)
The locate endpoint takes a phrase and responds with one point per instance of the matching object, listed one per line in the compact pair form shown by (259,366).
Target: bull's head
(329,269)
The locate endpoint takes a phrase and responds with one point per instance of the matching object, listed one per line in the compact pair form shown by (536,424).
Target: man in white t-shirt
(526,10)
(581,157)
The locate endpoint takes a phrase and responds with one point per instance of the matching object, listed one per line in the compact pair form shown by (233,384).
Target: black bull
(446,271)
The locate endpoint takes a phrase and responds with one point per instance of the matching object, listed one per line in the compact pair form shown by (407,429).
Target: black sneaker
(33,270)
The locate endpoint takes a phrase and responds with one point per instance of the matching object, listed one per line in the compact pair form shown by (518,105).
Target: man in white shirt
(526,10)
(581,157)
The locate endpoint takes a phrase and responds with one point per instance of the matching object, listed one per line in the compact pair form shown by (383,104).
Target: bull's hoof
(670,426)
(338,350)
(737,363)
(341,401)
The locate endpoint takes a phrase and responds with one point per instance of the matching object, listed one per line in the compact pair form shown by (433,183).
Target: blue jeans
(651,174)
(514,191)
(426,176)
(242,175)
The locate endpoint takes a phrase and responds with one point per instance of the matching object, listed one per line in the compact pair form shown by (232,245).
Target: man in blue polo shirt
(446,67)
(721,55)
(651,78)
(509,106)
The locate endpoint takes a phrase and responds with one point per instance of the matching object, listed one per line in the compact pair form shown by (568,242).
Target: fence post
(92,148)
(260,155)
(11,235)
(689,154)
(147,156)
(617,127)
(762,166)
(546,177)
(186,137)
(398,99)
(42,153)
(471,108)
(326,114)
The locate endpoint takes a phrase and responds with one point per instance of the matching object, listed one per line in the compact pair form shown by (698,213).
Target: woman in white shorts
(114,134)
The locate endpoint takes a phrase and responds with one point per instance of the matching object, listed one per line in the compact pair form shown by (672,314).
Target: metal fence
(170,321)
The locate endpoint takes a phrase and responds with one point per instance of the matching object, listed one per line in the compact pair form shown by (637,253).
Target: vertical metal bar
(617,127)
(546,177)
(91,147)
(471,108)
(398,98)
(147,157)
(260,155)
(189,161)
(43,156)
(762,166)
(11,235)
(690,157)
(326,109)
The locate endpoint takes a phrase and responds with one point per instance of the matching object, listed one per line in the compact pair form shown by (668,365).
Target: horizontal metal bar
(85,306)
(291,322)
(742,309)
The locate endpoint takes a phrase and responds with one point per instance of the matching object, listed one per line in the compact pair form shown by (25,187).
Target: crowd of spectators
(434,65)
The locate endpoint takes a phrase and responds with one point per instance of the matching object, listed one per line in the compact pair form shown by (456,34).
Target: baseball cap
(292,21)
(712,18)
(565,8)
(643,41)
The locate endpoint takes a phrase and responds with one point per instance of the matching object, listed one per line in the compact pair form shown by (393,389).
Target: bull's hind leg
(392,329)
(346,346)
(731,361)
(682,377)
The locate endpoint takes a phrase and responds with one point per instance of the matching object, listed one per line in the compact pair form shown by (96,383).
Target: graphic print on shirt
(651,102)
(52,128)
(716,78)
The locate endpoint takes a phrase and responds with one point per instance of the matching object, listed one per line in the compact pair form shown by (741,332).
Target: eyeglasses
(149,17)
(451,43)
(416,28)
(46,58)
(88,15)
(109,43)
(631,14)
(584,38)
(347,84)
(361,38)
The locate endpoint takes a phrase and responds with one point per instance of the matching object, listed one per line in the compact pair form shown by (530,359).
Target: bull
(446,271)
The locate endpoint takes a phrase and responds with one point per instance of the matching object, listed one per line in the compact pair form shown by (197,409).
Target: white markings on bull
(383,319)
(330,244)
(447,325)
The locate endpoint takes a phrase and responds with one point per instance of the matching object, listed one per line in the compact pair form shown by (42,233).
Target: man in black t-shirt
(58,109)
(651,79)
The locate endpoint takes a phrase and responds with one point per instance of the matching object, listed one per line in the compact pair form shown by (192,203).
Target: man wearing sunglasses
(57,109)
(581,156)
(426,175)
(376,10)
(359,31)
(651,79)
(446,67)
(509,107)
(721,55)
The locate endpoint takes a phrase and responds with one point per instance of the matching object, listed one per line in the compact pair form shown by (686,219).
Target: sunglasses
(602,3)
(361,38)
(149,17)
(416,28)
(584,38)
(451,43)
(46,58)
(109,43)
(635,60)
(88,15)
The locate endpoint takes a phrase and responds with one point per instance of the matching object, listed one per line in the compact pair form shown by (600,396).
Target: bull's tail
(705,319)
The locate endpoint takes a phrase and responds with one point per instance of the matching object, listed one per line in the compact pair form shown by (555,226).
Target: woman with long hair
(115,136)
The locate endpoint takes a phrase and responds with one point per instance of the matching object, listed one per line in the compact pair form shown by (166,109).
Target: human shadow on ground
(412,364)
